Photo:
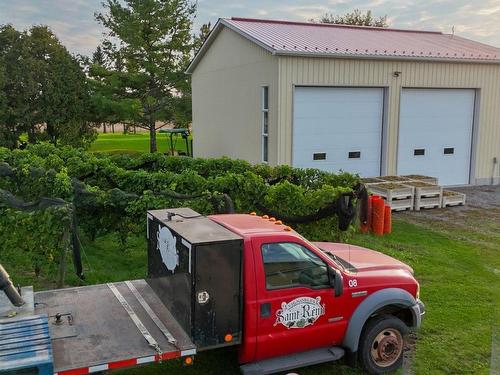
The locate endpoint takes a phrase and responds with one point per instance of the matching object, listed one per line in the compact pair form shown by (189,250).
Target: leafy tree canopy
(356,17)
(43,89)
(199,39)
(147,48)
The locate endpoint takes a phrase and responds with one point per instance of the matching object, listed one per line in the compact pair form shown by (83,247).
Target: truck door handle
(265,310)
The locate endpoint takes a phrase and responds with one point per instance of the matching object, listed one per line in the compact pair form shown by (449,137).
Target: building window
(265,124)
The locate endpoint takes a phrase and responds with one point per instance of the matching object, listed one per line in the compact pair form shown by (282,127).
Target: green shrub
(35,239)
(115,192)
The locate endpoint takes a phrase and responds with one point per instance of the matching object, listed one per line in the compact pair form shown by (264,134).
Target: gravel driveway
(478,221)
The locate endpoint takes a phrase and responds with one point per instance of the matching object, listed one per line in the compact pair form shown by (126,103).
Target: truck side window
(289,264)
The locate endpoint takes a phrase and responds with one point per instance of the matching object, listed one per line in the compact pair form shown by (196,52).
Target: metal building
(365,100)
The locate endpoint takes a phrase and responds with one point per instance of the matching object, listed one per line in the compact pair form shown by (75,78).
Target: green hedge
(120,189)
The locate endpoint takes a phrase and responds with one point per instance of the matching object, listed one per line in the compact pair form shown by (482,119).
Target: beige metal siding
(226,85)
(485,78)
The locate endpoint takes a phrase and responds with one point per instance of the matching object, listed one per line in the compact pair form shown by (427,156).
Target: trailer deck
(101,327)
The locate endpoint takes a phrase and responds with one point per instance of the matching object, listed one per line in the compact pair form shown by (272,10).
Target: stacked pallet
(426,195)
(412,192)
(397,196)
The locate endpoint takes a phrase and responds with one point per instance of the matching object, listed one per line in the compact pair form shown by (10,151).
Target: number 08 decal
(353,283)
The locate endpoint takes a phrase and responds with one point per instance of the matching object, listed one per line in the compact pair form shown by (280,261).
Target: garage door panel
(438,102)
(348,132)
(322,110)
(432,120)
(341,154)
(336,121)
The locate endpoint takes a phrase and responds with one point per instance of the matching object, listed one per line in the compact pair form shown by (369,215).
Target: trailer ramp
(108,326)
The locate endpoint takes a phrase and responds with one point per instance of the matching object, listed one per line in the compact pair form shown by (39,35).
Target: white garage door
(338,129)
(435,133)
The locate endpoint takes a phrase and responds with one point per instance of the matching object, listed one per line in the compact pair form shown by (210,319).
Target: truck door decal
(167,245)
(300,313)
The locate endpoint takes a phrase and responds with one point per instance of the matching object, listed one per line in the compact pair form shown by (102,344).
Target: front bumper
(418,310)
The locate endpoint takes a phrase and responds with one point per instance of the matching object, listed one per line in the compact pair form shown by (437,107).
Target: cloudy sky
(73,20)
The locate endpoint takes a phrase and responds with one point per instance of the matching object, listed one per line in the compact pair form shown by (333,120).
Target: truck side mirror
(336,281)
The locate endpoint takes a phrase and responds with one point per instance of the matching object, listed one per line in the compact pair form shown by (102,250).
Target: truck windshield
(289,264)
(342,263)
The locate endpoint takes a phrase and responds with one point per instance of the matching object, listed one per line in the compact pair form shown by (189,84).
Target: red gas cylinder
(387,219)
(365,228)
(378,207)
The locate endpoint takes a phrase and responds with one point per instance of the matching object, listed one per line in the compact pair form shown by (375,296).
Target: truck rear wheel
(382,344)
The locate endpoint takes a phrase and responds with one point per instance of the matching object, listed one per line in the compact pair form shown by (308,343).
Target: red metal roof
(300,38)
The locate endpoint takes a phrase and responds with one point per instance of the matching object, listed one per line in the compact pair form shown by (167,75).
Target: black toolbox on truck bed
(195,267)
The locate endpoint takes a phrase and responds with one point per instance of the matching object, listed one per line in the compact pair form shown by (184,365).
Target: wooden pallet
(400,204)
(422,178)
(427,202)
(452,198)
(424,190)
(426,195)
(368,181)
(394,179)
(397,196)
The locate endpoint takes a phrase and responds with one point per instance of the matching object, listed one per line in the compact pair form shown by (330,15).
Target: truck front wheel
(382,344)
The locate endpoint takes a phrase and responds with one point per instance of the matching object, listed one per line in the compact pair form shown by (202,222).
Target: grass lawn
(119,143)
(459,285)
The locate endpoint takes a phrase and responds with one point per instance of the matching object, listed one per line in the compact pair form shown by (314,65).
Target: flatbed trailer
(95,331)
(224,280)
(96,328)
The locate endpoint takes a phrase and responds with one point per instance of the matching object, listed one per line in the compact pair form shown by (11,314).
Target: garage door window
(265,123)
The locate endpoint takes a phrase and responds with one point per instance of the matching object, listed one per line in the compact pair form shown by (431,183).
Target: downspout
(495,162)
(9,289)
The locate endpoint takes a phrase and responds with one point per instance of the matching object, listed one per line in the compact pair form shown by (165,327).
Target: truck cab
(301,296)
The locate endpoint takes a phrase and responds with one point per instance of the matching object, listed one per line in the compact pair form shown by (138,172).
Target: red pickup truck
(237,279)
(300,296)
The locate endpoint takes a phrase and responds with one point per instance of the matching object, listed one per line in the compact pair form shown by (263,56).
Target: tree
(44,90)
(98,57)
(150,44)
(64,98)
(355,17)
(107,104)
(199,39)
(13,99)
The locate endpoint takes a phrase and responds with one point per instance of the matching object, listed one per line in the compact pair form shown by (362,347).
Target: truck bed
(95,332)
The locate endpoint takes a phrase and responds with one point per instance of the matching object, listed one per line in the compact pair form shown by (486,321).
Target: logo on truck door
(300,313)
(166,243)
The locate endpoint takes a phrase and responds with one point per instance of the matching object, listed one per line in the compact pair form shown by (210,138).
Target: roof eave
(211,37)
(384,57)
